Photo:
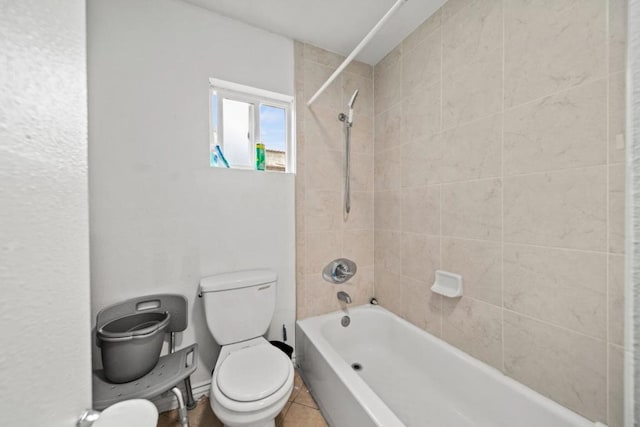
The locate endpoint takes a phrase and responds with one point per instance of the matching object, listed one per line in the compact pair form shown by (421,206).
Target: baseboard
(167,401)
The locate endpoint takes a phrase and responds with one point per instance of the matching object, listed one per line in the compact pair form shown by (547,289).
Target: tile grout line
(553,325)
(373,192)
(403,97)
(440,232)
(498,176)
(502,190)
(607,202)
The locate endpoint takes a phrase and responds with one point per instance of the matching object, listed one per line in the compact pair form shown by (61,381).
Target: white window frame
(257,97)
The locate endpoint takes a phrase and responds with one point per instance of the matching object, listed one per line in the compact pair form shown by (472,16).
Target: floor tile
(300,411)
(301,415)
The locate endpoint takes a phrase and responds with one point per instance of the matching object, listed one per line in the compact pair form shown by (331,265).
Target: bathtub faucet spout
(343,296)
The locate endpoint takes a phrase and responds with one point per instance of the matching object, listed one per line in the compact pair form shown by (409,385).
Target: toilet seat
(253,373)
(222,402)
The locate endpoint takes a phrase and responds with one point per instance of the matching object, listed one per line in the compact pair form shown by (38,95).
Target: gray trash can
(131,345)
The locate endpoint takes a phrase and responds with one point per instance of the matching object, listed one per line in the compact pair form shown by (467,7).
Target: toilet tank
(239,306)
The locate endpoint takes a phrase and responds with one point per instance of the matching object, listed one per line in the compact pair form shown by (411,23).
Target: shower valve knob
(339,270)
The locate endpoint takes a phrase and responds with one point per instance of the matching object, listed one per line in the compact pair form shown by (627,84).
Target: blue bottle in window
(217,158)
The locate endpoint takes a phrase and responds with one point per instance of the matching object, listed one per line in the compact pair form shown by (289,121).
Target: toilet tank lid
(237,279)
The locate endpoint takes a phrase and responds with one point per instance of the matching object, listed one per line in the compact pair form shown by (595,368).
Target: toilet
(252,380)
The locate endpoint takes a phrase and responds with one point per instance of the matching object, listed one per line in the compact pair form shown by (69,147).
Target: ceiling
(335,25)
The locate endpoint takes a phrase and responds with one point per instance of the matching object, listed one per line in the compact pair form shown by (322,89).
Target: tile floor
(300,411)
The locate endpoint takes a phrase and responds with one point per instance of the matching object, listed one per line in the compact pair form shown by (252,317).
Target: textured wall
(45,365)
(161,218)
(496,157)
(322,234)
(633,274)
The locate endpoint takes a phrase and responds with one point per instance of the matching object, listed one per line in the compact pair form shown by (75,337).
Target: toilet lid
(253,373)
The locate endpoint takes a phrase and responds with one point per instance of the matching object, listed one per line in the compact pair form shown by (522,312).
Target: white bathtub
(410,378)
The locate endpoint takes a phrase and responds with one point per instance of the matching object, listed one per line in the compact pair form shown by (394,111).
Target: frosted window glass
(236,127)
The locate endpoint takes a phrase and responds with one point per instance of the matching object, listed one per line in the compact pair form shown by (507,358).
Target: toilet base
(271,423)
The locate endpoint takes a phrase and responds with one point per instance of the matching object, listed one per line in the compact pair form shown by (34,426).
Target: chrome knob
(339,270)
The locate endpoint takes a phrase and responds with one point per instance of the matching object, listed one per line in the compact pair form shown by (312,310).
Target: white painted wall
(632,271)
(161,218)
(44,236)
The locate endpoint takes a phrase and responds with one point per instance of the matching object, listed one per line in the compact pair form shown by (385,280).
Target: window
(250,128)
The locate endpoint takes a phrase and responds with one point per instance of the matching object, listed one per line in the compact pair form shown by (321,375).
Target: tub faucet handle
(343,296)
(339,270)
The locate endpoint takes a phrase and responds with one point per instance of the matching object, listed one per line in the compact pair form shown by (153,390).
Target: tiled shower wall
(322,232)
(499,129)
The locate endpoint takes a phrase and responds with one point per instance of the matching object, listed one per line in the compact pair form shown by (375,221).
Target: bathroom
(493,139)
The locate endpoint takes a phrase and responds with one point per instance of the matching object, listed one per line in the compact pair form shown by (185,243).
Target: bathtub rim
(373,405)
(342,368)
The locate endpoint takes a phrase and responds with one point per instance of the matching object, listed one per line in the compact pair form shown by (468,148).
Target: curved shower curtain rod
(357,49)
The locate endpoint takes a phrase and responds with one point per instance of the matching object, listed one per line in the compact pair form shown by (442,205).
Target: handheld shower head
(353,98)
(351,102)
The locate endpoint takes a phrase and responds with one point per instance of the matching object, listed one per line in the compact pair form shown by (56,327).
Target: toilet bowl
(251,384)
(252,379)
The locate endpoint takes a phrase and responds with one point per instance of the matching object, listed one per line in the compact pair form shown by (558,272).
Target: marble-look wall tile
(358,246)
(360,69)
(421,113)
(322,233)
(480,265)
(388,288)
(318,296)
(322,210)
(564,287)
(472,151)
(388,210)
(388,73)
(321,128)
(561,209)
(420,306)
(364,103)
(451,7)
(472,90)
(388,250)
(362,136)
(314,76)
(616,299)
(617,35)
(361,174)
(421,162)
(472,209)
(472,33)
(561,131)
(430,26)
(360,287)
(552,46)
(616,387)
(569,368)
(616,208)
(361,216)
(421,64)
(388,169)
(420,256)
(499,132)
(321,56)
(421,210)
(390,60)
(320,248)
(388,129)
(323,169)
(474,327)
(617,99)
